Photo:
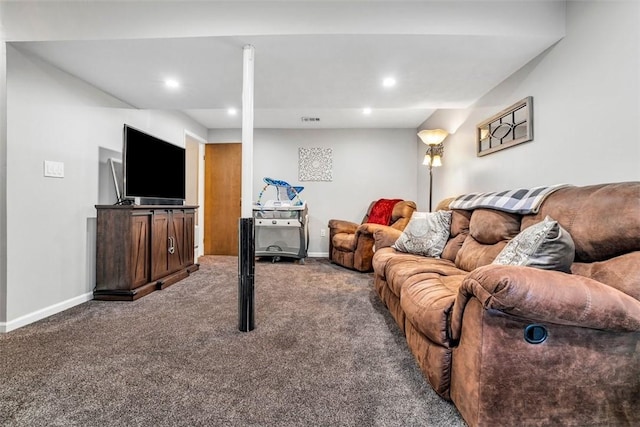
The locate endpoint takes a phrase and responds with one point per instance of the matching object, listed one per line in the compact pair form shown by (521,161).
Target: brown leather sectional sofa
(521,346)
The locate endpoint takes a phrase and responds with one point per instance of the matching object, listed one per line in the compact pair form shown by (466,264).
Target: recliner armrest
(547,296)
(368,229)
(385,236)
(342,226)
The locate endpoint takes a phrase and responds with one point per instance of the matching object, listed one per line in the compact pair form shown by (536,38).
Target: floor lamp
(433,157)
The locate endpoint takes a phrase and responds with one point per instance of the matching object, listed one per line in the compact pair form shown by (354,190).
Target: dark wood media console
(142,248)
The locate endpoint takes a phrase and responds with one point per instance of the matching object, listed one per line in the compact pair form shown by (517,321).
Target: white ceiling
(327,75)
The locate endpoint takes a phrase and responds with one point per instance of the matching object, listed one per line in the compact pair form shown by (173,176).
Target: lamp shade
(433,136)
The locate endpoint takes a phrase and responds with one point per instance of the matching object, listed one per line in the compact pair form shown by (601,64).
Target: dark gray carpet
(325,351)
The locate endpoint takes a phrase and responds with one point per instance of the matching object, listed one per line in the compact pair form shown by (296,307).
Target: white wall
(586,107)
(3,180)
(368,164)
(51,221)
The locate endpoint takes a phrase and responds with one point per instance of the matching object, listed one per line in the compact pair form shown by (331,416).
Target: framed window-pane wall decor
(511,126)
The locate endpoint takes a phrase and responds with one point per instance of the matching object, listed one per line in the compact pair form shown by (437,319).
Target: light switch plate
(53,169)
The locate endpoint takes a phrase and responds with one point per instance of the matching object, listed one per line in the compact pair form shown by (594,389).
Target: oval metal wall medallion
(502,131)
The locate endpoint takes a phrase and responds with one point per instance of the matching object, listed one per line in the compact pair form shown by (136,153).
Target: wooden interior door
(222,187)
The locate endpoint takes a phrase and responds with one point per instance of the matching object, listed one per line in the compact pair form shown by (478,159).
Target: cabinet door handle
(171,249)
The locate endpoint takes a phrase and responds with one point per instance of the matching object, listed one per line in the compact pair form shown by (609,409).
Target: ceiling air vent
(310,119)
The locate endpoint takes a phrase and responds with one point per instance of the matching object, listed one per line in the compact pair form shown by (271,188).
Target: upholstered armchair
(351,244)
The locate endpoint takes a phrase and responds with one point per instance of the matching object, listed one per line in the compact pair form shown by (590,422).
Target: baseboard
(44,312)
(318,254)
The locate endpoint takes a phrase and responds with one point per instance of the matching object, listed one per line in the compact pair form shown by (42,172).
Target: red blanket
(381,211)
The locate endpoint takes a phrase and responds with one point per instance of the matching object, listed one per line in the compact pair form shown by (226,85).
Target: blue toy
(284,191)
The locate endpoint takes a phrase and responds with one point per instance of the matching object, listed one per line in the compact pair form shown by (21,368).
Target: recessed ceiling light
(366,111)
(389,82)
(172,83)
(232,111)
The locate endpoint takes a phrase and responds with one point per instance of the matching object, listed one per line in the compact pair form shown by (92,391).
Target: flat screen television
(153,169)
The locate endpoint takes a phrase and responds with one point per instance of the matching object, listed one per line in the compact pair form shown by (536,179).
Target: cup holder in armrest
(535,333)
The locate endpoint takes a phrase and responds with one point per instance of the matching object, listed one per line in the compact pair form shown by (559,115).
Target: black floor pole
(246,268)
(430,187)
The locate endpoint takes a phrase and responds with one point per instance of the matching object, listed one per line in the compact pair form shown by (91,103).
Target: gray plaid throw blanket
(521,201)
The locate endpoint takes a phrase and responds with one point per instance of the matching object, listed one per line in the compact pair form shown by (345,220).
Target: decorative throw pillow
(545,245)
(425,234)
